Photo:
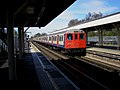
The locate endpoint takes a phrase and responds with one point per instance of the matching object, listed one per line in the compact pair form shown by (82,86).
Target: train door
(76,40)
(57,40)
(69,41)
(52,40)
(82,39)
(61,40)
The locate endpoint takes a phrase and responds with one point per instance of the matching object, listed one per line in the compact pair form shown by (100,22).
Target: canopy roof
(32,13)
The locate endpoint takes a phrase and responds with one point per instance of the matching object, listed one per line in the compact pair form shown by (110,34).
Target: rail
(79,75)
(104,54)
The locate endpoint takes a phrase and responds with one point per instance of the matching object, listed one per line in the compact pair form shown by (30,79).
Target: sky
(78,10)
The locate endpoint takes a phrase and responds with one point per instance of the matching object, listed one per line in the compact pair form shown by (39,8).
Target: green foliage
(73,22)
(92,33)
(39,34)
(112,32)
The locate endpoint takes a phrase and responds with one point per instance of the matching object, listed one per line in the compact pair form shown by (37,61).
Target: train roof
(74,30)
(66,30)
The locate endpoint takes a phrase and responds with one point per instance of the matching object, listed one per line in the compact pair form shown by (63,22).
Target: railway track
(84,75)
(106,61)
(104,55)
(80,77)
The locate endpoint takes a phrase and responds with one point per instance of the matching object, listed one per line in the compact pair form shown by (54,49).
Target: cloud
(93,6)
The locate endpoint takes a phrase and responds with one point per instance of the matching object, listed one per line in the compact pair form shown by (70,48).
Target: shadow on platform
(26,75)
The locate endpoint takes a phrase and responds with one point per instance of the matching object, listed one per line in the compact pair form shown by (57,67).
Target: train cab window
(81,36)
(76,36)
(69,36)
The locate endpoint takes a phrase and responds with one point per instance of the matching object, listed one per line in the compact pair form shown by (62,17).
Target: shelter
(26,13)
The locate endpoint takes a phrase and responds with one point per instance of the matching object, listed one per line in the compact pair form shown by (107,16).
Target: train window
(49,38)
(46,38)
(62,38)
(76,36)
(55,38)
(69,36)
(59,38)
(81,36)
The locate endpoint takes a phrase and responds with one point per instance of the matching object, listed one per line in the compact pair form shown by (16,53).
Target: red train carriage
(75,42)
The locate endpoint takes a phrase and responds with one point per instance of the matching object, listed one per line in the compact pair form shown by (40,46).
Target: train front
(75,42)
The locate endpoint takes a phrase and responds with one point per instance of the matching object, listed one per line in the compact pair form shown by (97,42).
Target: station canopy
(32,13)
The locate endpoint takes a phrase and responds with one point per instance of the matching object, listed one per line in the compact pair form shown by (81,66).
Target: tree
(90,16)
(73,22)
(112,32)
(43,34)
(37,35)
(92,33)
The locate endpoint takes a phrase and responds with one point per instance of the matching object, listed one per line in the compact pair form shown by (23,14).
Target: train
(70,41)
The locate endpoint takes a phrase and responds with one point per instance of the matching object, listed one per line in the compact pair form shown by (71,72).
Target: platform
(111,51)
(49,76)
(25,73)
(34,72)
